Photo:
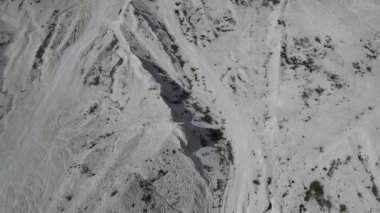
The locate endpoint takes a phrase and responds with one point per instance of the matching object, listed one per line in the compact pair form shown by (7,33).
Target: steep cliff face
(189,106)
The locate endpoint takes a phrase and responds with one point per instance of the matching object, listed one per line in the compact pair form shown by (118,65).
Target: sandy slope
(189,106)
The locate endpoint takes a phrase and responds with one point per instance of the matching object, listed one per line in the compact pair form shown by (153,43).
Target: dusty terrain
(235,106)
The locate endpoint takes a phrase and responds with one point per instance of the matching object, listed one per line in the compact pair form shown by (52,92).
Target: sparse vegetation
(334,166)
(175,48)
(316,192)
(266,3)
(342,208)
(284,194)
(69,197)
(230,152)
(86,170)
(113,193)
(93,108)
(191,20)
(216,135)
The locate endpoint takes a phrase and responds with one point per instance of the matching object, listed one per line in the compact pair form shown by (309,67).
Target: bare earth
(231,106)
